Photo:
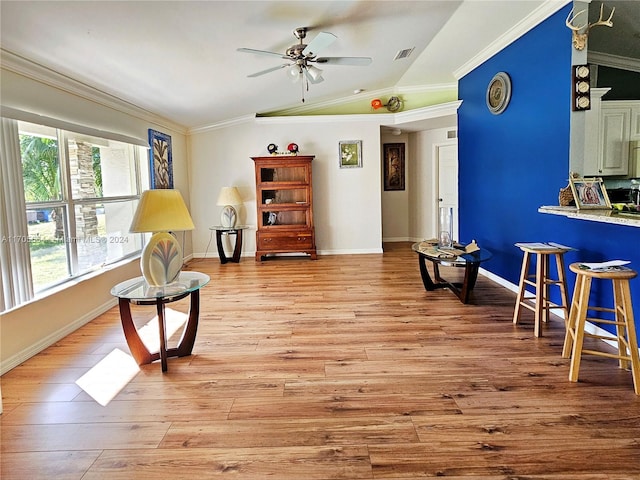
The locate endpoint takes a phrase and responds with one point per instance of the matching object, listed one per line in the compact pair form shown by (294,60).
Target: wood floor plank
(341,368)
(309,463)
(288,433)
(84,436)
(46,465)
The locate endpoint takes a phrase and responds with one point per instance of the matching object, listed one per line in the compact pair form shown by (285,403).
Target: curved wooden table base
(461,290)
(139,350)
(237,249)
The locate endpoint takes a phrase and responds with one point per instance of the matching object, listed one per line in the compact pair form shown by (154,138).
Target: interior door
(447,166)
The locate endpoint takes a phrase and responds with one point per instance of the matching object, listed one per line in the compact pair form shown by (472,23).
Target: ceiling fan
(301,58)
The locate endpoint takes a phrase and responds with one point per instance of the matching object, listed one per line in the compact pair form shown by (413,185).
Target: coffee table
(469,261)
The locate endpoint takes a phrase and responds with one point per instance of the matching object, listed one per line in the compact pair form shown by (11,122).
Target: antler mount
(581,33)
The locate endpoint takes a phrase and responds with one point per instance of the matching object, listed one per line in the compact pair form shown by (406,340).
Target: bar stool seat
(538,300)
(623,321)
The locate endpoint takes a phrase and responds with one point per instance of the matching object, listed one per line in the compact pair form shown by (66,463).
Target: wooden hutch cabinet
(284,197)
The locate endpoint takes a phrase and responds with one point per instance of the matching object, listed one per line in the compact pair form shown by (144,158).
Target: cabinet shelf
(285,205)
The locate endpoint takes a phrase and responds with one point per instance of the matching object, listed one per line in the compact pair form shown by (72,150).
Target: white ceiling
(178,59)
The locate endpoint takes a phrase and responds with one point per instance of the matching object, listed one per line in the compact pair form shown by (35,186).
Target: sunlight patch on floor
(150,334)
(105,380)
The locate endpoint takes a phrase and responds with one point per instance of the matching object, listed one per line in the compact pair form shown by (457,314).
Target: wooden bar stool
(623,310)
(539,301)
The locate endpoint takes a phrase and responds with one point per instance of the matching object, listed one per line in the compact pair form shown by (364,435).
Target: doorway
(446,188)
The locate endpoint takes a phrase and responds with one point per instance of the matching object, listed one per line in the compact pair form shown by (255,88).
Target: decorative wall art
(499,93)
(161,163)
(589,193)
(350,154)
(393,166)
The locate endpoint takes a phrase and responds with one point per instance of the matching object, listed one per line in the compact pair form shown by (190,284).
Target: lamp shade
(229,196)
(161,210)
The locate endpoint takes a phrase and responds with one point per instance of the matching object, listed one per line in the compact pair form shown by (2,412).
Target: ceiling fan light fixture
(294,72)
(314,72)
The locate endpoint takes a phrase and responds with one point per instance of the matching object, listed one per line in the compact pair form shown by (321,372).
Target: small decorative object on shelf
(565,197)
(272,148)
(293,148)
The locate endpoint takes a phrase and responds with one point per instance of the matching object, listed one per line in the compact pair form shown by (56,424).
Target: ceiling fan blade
(268,70)
(355,61)
(322,41)
(262,52)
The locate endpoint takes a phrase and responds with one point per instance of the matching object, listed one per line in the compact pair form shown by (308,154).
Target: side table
(139,292)
(237,249)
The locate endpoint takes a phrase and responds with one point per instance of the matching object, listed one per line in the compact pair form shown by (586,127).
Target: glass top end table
(469,261)
(237,249)
(139,292)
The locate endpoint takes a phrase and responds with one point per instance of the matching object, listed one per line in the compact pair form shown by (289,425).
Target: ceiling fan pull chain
(305,84)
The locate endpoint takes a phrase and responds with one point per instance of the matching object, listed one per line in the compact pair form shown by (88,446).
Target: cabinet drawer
(285,241)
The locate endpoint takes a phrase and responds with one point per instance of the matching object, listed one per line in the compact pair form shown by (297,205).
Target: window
(80,193)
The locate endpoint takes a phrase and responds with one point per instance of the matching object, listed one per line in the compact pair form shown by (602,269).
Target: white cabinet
(635,123)
(614,135)
(609,128)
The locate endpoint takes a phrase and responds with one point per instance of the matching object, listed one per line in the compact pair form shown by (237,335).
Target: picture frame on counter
(590,193)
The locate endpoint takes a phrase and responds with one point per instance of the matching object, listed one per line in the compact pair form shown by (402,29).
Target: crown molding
(223,124)
(614,61)
(383,92)
(427,113)
(536,17)
(361,117)
(310,108)
(418,89)
(380,119)
(39,73)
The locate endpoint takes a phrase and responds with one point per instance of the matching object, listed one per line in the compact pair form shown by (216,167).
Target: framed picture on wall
(350,153)
(589,193)
(393,166)
(160,161)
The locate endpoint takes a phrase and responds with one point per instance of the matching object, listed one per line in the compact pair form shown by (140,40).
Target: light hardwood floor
(339,368)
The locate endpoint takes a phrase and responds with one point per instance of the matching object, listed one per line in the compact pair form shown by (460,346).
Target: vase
(445,227)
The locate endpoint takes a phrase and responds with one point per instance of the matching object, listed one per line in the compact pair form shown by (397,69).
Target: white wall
(30,328)
(347,201)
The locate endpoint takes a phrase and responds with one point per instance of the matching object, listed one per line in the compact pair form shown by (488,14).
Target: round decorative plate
(499,93)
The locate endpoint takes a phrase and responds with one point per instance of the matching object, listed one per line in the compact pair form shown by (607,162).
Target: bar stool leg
(524,272)
(562,281)
(580,319)
(625,297)
(541,292)
(621,319)
(570,331)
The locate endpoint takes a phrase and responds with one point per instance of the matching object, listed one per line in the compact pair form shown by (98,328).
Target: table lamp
(161,211)
(228,197)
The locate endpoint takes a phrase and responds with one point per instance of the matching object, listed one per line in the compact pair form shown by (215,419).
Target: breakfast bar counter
(602,216)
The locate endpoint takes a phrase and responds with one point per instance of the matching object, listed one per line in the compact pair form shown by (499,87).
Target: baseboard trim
(54,337)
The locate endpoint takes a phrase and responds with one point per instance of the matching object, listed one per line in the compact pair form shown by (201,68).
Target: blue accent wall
(513,163)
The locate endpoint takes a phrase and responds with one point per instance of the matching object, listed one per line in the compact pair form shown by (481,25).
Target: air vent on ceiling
(403,53)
